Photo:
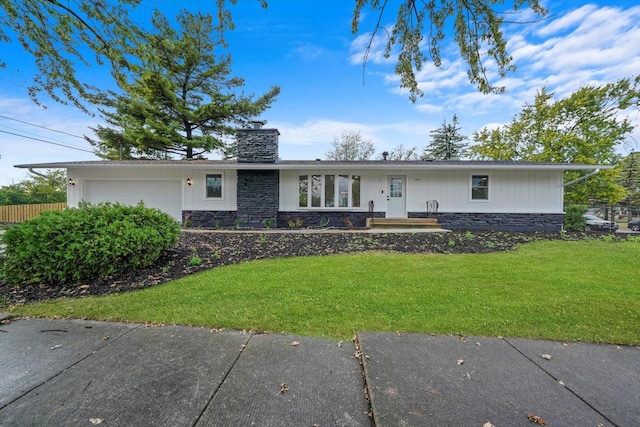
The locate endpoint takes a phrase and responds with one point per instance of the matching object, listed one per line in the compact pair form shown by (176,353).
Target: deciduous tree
(350,146)
(584,128)
(400,152)
(60,35)
(36,189)
(421,28)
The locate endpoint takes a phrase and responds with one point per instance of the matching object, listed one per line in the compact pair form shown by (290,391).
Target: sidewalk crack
(558,381)
(226,375)
(363,370)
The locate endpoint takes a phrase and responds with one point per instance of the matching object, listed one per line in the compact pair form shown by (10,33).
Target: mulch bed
(218,248)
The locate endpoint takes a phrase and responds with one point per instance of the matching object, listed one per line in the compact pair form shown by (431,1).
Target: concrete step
(402,223)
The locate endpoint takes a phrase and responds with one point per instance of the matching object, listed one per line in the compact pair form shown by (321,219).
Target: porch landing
(403,224)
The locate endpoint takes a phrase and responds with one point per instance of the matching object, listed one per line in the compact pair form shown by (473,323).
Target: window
(303,192)
(316,187)
(355,191)
(480,187)
(329,191)
(343,191)
(214,186)
(395,187)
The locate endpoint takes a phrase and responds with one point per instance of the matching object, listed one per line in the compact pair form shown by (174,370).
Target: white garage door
(165,195)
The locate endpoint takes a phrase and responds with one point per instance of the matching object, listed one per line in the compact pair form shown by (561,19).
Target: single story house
(258,189)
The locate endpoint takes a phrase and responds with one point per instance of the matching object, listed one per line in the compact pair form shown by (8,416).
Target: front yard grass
(560,290)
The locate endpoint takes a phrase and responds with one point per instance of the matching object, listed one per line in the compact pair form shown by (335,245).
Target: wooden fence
(19,213)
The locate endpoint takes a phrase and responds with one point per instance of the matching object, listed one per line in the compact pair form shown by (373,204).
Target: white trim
(336,191)
(405,193)
(321,165)
(488,199)
(222,179)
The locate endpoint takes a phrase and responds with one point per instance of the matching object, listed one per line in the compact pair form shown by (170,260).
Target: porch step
(402,223)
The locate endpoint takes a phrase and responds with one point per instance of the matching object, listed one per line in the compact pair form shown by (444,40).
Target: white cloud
(309,139)
(567,21)
(307,52)
(376,46)
(588,45)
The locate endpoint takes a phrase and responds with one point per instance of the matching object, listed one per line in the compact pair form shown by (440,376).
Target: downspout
(582,178)
(47,177)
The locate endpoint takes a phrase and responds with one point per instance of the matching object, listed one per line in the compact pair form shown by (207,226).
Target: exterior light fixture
(71,181)
(189,182)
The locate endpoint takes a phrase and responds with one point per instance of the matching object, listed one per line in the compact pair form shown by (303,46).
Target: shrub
(574,217)
(91,241)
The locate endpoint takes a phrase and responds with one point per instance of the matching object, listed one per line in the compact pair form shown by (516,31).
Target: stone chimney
(257,145)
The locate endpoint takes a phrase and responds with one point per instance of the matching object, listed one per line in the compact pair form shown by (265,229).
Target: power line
(42,127)
(26,133)
(45,141)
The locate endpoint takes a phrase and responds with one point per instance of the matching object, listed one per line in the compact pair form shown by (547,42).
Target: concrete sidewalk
(83,373)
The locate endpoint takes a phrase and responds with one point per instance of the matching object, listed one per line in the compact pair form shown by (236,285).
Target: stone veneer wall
(310,219)
(336,218)
(258,197)
(210,219)
(496,221)
(257,145)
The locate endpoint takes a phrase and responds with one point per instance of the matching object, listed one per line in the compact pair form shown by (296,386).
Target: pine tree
(177,97)
(629,178)
(446,142)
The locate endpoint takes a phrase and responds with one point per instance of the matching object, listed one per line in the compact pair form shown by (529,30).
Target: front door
(396,196)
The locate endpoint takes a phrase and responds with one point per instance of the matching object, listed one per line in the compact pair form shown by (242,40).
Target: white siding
(161,194)
(126,180)
(510,191)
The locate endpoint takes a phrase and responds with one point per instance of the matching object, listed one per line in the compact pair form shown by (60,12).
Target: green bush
(574,217)
(91,241)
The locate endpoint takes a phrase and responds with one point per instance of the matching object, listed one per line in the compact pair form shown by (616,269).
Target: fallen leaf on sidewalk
(340,344)
(283,388)
(95,421)
(295,343)
(536,419)
(460,361)
(488,424)
(546,356)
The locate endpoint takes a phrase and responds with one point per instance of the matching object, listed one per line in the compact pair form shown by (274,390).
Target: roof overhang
(317,165)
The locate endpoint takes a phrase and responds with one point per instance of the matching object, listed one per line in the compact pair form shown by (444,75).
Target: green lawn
(586,290)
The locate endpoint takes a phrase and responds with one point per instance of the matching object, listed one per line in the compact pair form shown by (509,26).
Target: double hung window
(480,187)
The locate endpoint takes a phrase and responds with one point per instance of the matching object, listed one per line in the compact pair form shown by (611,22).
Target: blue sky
(306,48)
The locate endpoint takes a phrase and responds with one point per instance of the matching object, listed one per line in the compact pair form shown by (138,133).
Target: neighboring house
(501,195)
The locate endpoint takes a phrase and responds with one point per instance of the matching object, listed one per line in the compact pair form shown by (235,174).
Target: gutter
(47,177)
(582,178)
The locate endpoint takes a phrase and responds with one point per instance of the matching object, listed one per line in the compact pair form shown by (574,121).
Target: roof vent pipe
(384,156)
